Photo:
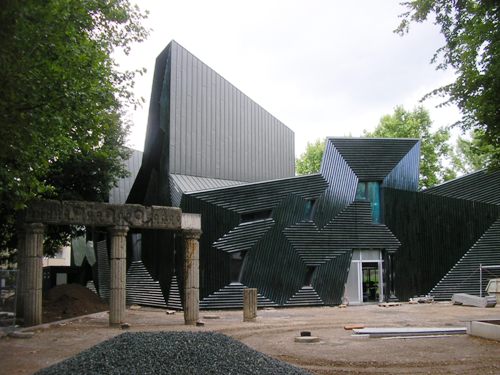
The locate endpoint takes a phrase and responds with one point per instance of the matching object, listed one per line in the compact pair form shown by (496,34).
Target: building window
(236,266)
(370,191)
(256,215)
(309,275)
(310,209)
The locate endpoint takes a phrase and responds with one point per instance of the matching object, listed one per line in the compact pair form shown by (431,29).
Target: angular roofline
(254,183)
(376,138)
(455,179)
(220,75)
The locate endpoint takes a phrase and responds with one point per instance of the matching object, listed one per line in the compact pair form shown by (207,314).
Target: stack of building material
(470,300)
(410,331)
(493,288)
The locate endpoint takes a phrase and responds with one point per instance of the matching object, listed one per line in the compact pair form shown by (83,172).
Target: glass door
(364,282)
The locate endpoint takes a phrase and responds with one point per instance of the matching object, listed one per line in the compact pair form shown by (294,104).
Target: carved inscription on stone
(103,214)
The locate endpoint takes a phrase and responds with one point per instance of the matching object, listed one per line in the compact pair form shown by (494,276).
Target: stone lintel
(103,214)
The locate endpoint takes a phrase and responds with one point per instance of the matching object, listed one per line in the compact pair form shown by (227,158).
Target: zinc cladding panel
(483,253)
(435,232)
(263,195)
(481,186)
(216,131)
(372,159)
(119,193)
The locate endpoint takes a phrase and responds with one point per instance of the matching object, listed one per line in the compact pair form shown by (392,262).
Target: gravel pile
(171,353)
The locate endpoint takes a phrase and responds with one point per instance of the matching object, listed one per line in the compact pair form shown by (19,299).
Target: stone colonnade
(118,219)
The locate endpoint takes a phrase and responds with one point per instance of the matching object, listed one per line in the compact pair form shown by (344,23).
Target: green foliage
(62,99)
(434,148)
(471,154)
(310,161)
(471,29)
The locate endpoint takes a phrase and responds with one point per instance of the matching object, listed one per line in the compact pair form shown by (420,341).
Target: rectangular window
(370,191)
(309,209)
(256,215)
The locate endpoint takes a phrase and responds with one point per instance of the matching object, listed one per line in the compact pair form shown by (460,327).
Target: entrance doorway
(370,274)
(364,282)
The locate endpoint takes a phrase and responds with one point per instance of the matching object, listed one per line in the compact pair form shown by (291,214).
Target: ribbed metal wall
(119,193)
(435,232)
(372,159)
(160,256)
(329,280)
(481,186)
(267,248)
(217,131)
(406,173)
(263,195)
(216,222)
(152,186)
(244,236)
(273,267)
(342,184)
(180,184)
(465,277)
(351,229)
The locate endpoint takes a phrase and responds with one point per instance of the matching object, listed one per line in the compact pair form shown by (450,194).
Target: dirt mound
(70,300)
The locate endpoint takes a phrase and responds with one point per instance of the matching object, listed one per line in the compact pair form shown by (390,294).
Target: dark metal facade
(481,186)
(464,276)
(211,150)
(263,240)
(373,159)
(435,233)
(119,193)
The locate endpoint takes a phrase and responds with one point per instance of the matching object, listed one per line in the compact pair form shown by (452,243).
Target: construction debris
(349,327)
(422,299)
(493,288)
(476,301)
(389,304)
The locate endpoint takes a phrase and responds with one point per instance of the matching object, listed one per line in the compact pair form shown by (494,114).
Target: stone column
(118,282)
(249,304)
(33,274)
(191,276)
(21,272)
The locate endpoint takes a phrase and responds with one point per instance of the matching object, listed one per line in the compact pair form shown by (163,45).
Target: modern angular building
(358,231)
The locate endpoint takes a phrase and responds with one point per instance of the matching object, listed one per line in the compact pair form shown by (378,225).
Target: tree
(471,154)
(471,29)
(310,161)
(62,99)
(434,148)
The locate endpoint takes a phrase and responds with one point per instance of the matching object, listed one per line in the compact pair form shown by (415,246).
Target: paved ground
(274,333)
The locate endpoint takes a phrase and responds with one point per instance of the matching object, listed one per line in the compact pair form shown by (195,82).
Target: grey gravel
(171,353)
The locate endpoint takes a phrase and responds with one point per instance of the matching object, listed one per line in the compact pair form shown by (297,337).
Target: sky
(322,67)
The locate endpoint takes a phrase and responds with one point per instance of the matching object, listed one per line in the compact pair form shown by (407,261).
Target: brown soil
(70,300)
(273,333)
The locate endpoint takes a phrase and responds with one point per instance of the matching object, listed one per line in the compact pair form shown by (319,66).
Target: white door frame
(369,258)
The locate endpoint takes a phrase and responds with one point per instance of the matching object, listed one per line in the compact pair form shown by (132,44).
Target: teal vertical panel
(374,198)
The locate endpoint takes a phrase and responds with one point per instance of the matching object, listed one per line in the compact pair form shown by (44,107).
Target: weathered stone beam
(103,214)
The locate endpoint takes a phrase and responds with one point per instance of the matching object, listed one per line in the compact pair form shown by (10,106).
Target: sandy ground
(273,333)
